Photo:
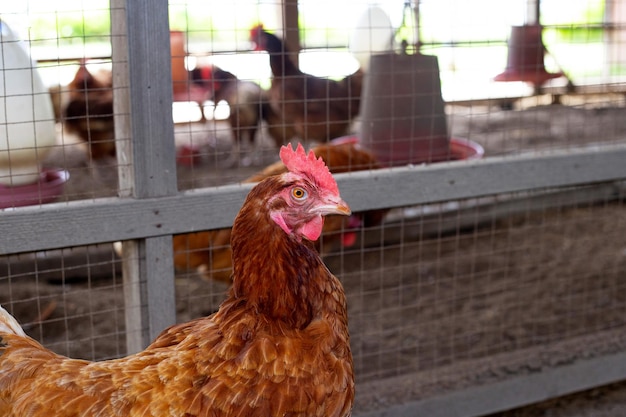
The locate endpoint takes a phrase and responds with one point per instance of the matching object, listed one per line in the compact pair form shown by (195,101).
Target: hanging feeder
(525,60)
(402,109)
(403,117)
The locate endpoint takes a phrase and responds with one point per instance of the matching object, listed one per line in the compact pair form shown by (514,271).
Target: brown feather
(209,251)
(279,344)
(89,111)
(315,108)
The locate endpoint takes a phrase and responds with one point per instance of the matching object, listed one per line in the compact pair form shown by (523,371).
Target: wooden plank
(61,225)
(426,221)
(514,392)
(146,162)
(160,297)
(151,97)
(71,224)
(291,29)
(447,181)
(398,227)
(121,98)
(135,315)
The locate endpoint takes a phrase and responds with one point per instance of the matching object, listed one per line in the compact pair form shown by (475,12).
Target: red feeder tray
(46,190)
(465,149)
(458,149)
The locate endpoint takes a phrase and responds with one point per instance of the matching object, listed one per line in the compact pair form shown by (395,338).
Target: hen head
(310,193)
(256,37)
(266,41)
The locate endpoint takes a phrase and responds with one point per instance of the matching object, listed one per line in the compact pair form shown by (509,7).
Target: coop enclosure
(488,271)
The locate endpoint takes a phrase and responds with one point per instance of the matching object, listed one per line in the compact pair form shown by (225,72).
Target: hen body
(248,103)
(209,251)
(315,108)
(89,111)
(278,345)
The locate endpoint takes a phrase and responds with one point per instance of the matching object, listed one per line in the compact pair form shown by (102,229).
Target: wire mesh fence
(462,273)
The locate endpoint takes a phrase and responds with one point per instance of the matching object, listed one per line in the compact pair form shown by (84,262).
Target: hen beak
(333,206)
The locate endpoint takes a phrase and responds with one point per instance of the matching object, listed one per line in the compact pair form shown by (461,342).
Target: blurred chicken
(317,109)
(278,346)
(248,104)
(210,253)
(89,111)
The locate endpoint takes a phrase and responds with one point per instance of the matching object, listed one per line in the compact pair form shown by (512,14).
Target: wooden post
(291,29)
(144,131)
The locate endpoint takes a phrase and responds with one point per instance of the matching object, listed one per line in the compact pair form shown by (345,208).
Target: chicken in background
(317,109)
(209,252)
(248,104)
(278,345)
(89,111)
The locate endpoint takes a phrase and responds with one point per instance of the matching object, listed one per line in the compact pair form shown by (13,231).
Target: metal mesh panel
(71,300)
(444,296)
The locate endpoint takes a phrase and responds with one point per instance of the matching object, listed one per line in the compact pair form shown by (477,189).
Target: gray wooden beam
(146,157)
(514,392)
(447,181)
(71,224)
(61,224)
(291,29)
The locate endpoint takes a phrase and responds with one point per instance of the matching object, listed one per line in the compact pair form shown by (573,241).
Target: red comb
(255,31)
(298,161)
(207,72)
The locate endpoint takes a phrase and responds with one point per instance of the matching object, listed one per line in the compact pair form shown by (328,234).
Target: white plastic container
(372,34)
(27,131)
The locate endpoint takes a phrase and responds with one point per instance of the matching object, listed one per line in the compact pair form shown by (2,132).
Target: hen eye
(299,194)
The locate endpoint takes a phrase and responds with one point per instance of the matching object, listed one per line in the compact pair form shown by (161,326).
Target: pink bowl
(47,189)
(458,150)
(461,149)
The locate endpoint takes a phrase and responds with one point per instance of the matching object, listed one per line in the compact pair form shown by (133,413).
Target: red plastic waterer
(525,60)
(403,113)
(402,110)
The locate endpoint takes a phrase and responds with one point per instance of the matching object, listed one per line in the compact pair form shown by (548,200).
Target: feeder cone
(525,57)
(402,110)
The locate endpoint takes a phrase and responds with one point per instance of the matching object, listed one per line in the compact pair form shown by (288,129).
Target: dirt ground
(431,308)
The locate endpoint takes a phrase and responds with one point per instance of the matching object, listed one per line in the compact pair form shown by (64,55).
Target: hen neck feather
(280,62)
(274,273)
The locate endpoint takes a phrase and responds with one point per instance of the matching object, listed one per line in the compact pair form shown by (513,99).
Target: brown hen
(315,108)
(278,346)
(249,105)
(209,252)
(89,111)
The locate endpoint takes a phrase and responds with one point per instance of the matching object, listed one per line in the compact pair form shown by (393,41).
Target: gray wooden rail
(149,213)
(37,228)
